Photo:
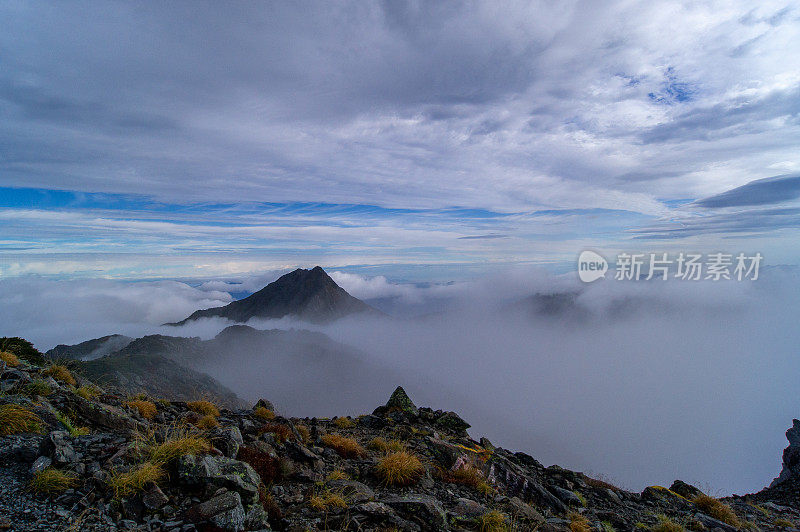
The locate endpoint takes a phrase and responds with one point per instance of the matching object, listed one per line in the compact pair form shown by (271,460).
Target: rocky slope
(75,457)
(310,295)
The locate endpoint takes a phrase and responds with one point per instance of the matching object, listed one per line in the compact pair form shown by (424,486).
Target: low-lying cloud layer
(644,383)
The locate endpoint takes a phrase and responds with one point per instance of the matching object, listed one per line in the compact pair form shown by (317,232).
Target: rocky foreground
(77,457)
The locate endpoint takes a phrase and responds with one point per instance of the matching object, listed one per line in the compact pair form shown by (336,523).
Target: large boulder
(56,446)
(227,440)
(216,472)
(515,481)
(422,509)
(104,416)
(224,511)
(685,490)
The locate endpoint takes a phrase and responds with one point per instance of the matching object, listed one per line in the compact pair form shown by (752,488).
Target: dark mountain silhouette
(157,376)
(90,348)
(309,295)
(285,363)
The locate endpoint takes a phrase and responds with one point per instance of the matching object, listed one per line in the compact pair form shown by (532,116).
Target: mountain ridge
(310,295)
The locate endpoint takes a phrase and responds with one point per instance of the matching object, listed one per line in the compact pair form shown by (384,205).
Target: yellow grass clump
(716,509)
(206,408)
(337,474)
(15,419)
(328,499)
(346,447)
(263,413)
(146,409)
(344,423)
(38,387)
(9,358)
(304,433)
(176,445)
(207,422)
(87,392)
(471,476)
(52,480)
(61,374)
(382,446)
(379,444)
(400,469)
(135,480)
(578,523)
(280,431)
(665,524)
(492,521)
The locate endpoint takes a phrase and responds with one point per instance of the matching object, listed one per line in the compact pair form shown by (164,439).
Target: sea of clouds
(648,382)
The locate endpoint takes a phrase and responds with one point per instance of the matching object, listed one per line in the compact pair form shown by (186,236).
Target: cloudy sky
(184,139)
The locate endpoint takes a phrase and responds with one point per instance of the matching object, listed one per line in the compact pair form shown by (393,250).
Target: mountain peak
(310,295)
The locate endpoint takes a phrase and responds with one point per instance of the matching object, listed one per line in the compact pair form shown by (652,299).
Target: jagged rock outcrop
(791,456)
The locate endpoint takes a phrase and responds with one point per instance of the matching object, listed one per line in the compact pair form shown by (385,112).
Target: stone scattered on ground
(140,463)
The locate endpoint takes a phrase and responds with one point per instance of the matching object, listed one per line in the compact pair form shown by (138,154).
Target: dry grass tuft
(379,444)
(9,358)
(207,422)
(206,408)
(38,387)
(383,446)
(15,419)
(716,509)
(264,414)
(268,467)
(146,409)
(328,499)
(305,434)
(177,443)
(471,476)
(492,521)
(400,469)
(337,474)
(135,480)
(578,523)
(782,523)
(87,392)
(269,504)
(665,524)
(344,423)
(61,374)
(281,432)
(600,484)
(346,447)
(396,446)
(52,480)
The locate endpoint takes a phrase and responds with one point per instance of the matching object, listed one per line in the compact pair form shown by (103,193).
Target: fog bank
(640,382)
